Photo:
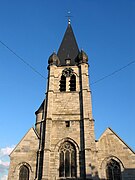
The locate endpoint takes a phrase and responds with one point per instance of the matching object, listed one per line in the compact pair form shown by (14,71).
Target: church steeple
(63,145)
(68,48)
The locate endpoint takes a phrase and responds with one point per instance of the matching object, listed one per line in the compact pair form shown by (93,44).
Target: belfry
(62,145)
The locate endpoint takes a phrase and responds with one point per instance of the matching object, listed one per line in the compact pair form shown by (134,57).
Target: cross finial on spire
(69,17)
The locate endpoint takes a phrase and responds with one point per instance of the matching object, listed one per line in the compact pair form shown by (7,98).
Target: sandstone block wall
(110,146)
(25,153)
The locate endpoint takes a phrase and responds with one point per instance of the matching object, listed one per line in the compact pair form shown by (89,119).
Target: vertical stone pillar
(67,84)
(88,125)
(48,123)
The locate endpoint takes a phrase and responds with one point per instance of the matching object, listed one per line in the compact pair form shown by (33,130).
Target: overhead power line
(24,61)
(37,72)
(114,72)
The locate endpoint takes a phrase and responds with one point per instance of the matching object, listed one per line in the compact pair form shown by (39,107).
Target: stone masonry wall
(111,146)
(25,153)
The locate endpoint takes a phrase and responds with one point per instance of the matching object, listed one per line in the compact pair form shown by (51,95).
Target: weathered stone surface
(25,153)
(66,116)
(110,146)
(74,107)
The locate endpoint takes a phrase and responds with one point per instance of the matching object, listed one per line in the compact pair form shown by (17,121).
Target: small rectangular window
(67,123)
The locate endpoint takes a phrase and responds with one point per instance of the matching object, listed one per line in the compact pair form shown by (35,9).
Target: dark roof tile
(68,48)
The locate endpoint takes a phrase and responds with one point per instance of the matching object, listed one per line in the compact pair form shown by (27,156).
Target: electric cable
(24,61)
(37,72)
(114,72)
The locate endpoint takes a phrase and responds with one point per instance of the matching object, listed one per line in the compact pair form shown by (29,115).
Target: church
(62,145)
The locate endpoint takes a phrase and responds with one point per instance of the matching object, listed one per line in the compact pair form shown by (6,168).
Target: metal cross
(69,16)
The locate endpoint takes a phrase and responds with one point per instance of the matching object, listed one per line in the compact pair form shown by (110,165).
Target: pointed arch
(24,173)
(17,169)
(67,160)
(63,83)
(113,170)
(105,164)
(73,83)
(60,142)
(57,151)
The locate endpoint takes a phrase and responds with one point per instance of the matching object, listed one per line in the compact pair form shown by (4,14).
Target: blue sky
(34,29)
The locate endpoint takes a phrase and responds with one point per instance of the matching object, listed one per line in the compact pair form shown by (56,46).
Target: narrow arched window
(67,165)
(113,170)
(63,83)
(24,173)
(73,83)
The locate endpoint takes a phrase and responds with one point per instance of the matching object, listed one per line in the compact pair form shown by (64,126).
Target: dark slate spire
(68,48)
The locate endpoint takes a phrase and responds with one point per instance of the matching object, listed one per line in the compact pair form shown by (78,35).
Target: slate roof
(68,48)
(41,108)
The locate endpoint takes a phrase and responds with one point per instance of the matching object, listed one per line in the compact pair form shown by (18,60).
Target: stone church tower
(63,145)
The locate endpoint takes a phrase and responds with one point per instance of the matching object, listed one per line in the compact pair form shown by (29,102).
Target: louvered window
(73,83)
(24,173)
(113,170)
(63,83)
